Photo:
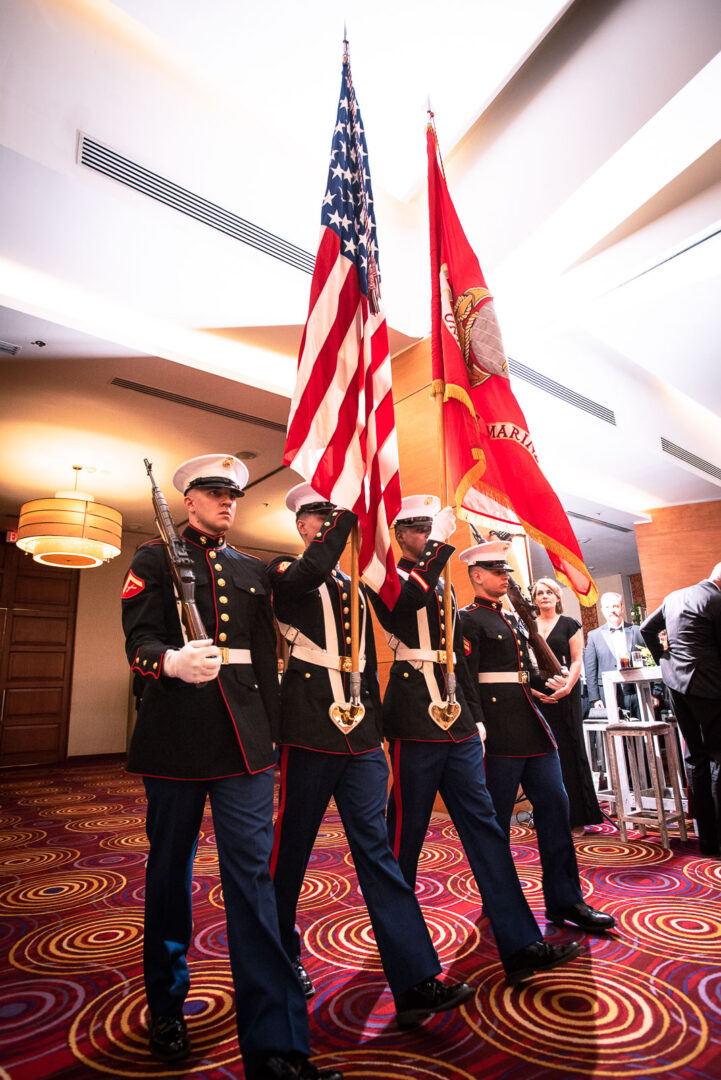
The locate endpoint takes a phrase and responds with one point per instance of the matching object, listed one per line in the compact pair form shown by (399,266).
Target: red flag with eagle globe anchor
(492,463)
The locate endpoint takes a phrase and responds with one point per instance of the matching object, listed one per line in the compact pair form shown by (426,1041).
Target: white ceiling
(581,144)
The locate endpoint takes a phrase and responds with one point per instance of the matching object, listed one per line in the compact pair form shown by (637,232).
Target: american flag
(341,429)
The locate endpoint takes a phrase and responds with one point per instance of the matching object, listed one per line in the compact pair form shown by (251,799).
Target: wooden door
(37,630)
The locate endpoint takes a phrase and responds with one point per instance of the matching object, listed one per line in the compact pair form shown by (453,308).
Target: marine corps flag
(492,463)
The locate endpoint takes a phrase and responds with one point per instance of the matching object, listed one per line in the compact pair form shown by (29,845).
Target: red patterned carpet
(642,1003)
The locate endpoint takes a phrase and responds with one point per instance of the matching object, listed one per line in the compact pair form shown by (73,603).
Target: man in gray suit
(691,668)
(603,649)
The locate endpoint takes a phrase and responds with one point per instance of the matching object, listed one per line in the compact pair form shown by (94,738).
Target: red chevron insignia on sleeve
(419,580)
(467,647)
(132,586)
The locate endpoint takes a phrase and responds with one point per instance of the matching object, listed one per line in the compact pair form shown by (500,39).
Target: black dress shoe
(304,978)
(280,1068)
(587,918)
(427,997)
(538,956)
(169,1038)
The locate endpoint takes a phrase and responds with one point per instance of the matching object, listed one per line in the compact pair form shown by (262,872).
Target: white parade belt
(234,656)
(503,676)
(329,660)
(437,656)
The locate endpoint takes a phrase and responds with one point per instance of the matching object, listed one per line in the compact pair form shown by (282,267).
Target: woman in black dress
(562,708)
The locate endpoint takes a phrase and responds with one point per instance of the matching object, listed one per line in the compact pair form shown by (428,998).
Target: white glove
(198,661)
(444,525)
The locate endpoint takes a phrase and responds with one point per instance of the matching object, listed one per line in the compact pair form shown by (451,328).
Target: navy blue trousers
(541,780)
(420,770)
(271,1012)
(359,784)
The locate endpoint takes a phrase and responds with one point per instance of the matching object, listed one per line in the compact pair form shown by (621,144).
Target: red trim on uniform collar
(494,605)
(201,539)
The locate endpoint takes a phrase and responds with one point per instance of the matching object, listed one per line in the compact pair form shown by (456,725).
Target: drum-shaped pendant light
(70,529)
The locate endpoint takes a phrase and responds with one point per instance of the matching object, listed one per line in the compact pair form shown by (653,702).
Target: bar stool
(644,748)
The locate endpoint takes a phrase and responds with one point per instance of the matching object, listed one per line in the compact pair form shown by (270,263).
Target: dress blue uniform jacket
(496,642)
(224,728)
(306,692)
(406,700)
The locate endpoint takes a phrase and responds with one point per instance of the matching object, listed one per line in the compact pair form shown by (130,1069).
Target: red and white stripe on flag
(341,429)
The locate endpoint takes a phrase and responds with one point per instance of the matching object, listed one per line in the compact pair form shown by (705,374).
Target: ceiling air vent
(520,371)
(8,349)
(690,459)
(597,521)
(103,160)
(193,403)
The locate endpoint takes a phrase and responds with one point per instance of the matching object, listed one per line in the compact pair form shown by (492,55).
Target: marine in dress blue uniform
(520,749)
(311,597)
(428,758)
(213,742)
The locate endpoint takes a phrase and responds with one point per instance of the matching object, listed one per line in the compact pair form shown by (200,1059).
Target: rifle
(181,567)
(526,611)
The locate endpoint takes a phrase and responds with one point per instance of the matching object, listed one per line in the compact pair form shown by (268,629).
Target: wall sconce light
(70,529)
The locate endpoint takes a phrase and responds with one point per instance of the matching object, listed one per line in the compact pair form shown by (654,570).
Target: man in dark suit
(691,668)
(604,647)
(431,751)
(324,756)
(214,743)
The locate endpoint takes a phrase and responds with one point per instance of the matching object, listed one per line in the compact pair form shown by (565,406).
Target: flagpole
(448,608)
(354,616)
(439,393)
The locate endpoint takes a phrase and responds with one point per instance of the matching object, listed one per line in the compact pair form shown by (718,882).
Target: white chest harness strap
(304,649)
(423,658)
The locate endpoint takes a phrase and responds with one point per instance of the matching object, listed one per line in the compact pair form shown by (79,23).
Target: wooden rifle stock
(181,567)
(548,664)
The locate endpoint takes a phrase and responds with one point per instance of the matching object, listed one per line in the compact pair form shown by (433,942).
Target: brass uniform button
(443,641)
(442,611)
(346,626)
(224,600)
(345,596)
(405,674)
(222,637)
(326,524)
(318,534)
(307,674)
(218,566)
(221,581)
(225,617)
(145,663)
(255,686)
(252,589)
(346,610)
(493,699)
(203,540)
(347,641)
(155,666)
(211,554)
(500,635)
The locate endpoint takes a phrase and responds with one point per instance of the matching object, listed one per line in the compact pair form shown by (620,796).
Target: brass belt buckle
(523,676)
(441,656)
(224,657)
(345,664)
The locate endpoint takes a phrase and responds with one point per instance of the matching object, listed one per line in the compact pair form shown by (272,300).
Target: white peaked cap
(418,508)
(211,470)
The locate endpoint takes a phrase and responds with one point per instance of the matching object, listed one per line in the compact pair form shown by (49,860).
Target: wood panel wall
(678,547)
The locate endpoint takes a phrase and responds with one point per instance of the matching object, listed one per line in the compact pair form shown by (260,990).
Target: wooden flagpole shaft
(448,605)
(354,601)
